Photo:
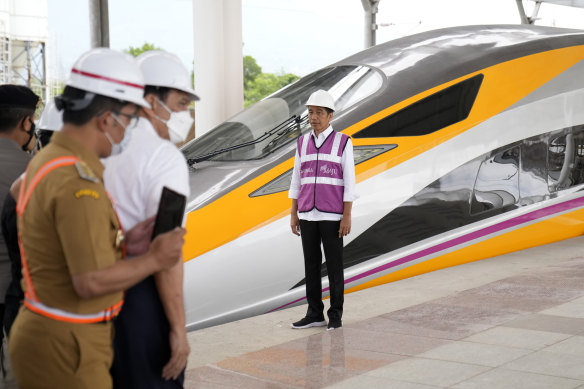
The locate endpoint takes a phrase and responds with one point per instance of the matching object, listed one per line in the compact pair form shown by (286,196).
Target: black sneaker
(334,324)
(308,322)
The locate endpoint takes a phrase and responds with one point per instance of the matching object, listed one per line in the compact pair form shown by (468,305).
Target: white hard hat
(109,73)
(321,98)
(161,68)
(51,118)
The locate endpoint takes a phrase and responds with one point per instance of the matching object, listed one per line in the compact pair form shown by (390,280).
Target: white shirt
(350,191)
(135,177)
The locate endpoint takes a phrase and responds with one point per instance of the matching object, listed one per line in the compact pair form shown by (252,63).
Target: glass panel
(347,84)
(497,183)
(556,157)
(442,109)
(566,159)
(533,181)
(278,184)
(578,170)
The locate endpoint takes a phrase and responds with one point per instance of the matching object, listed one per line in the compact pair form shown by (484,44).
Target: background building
(23,45)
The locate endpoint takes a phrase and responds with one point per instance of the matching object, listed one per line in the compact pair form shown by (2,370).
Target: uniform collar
(324,134)
(88,156)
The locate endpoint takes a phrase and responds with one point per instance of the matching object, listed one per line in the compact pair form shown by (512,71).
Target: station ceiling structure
(533,18)
(569,3)
(371,8)
(218,50)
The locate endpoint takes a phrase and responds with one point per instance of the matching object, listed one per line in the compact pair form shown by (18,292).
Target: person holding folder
(150,345)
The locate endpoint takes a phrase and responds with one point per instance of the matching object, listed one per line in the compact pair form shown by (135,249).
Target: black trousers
(313,233)
(141,342)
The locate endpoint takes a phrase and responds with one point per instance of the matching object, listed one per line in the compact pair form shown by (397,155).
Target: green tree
(136,51)
(263,85)
(266,84)
(257,85)
(286,78)
(250,71)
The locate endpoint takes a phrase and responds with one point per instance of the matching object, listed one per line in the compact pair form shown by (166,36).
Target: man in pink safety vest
(322,192)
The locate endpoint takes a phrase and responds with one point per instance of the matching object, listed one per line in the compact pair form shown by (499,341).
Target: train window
(442,109)
(497,183)
(357,85)
(566,159)
(255,132)
(533,183)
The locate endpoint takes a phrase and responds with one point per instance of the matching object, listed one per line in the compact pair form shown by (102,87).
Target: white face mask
(178,125)
(117,148)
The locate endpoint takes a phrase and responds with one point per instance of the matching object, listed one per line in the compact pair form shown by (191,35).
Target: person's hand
(179,352)
(295,224)
(167,247)
(138,238)
(345,227)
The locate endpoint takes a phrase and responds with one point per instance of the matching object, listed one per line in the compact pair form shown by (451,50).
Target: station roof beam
(531,19)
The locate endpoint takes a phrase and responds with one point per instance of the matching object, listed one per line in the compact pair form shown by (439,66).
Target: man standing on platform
(322,192)
(150,345)
(17,109)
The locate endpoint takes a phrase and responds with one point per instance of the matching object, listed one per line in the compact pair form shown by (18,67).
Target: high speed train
(468,142)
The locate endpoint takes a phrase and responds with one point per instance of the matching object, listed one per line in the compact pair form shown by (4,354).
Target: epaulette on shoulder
(85,172)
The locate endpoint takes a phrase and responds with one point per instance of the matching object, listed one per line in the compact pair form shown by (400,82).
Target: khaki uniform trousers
(47,353)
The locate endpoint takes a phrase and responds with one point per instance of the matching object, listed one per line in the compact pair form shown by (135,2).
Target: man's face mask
(30,135)
(178,124)
(117,148)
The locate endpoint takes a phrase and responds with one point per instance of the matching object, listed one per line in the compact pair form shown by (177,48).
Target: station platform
(513,321)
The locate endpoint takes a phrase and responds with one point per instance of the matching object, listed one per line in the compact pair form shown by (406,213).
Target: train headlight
(278,184)
(364,153)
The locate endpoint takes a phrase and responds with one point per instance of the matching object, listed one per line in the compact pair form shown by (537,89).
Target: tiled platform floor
(515,321)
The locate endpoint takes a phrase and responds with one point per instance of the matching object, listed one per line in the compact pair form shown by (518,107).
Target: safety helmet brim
(109,73)
(106,86)
(163,69)
(321,98)
(189,91)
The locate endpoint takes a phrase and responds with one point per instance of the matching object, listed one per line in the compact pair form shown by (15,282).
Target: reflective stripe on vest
(31,300)
(321,173)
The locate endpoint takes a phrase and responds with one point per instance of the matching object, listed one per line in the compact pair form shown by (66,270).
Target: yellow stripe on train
(236,214)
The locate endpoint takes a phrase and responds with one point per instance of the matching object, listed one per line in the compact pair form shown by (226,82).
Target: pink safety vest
(321,173)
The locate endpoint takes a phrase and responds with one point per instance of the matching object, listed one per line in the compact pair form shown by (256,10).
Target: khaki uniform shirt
(69,227)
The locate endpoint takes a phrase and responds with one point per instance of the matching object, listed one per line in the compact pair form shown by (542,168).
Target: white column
(99,23)
(371,7)
(218,61)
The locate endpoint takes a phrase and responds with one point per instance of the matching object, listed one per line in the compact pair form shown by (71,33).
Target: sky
(284,36)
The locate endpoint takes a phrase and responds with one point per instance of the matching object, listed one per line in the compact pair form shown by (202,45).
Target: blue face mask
(118,148)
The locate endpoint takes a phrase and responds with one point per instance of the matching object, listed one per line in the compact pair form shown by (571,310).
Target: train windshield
(281,117)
